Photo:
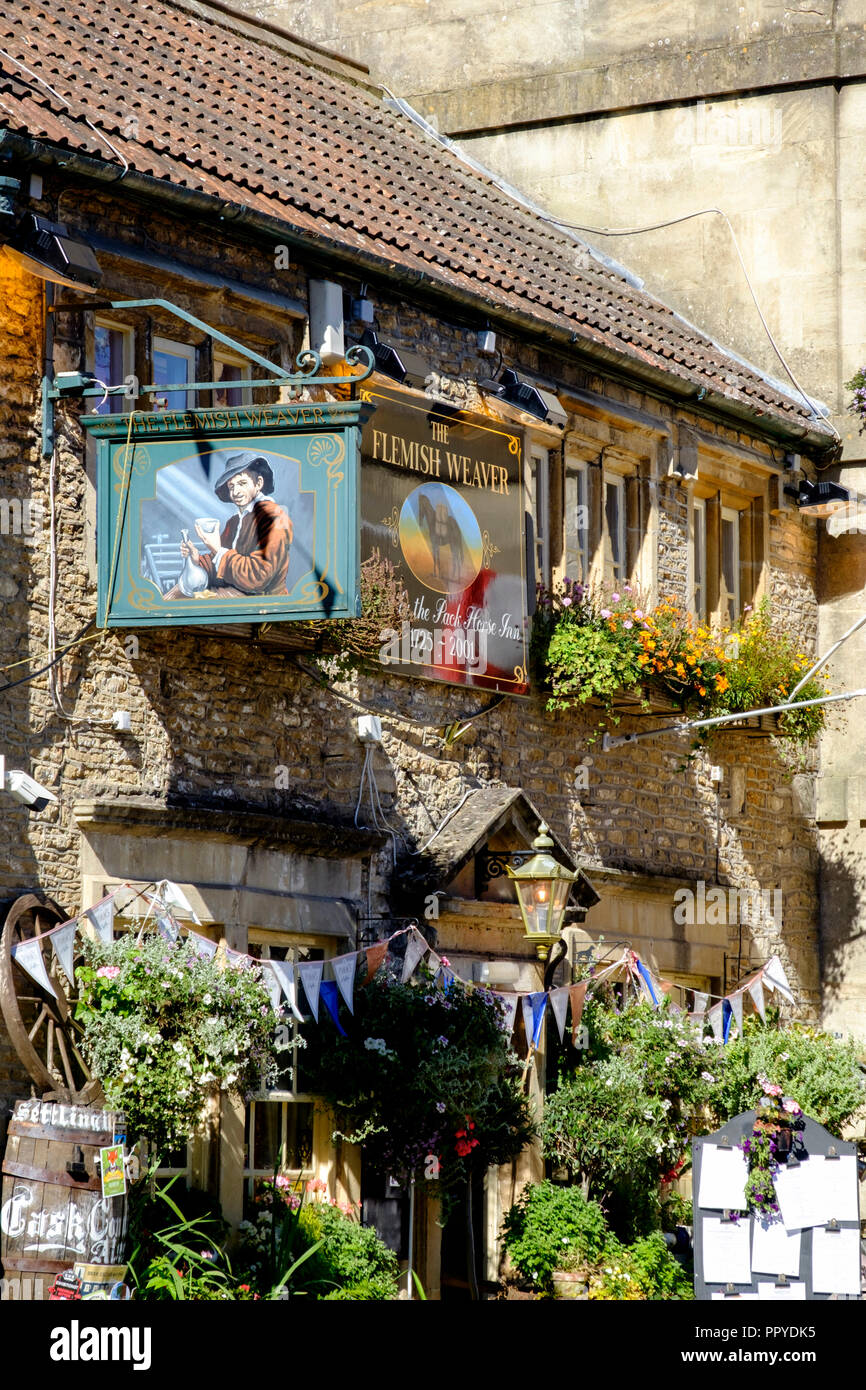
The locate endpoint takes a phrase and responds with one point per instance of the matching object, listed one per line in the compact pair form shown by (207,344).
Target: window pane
(108,364)
(230,371)
(267,1134)
(576,525)
(614,517)
(730,564)
(299,1136)
(700,562)
(169,369)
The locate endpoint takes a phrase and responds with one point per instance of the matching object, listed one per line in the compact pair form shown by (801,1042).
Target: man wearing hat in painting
(251,553)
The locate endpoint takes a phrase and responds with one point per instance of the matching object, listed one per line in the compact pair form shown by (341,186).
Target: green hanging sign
(228,516)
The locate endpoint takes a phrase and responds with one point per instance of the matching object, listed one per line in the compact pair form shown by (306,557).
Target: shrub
(551,1227)
(351,1257)
(820,1073)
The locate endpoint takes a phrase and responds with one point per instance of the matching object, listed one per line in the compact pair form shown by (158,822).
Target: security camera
(21,787)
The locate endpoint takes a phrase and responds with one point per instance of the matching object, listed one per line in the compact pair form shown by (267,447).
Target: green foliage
(768,664)
(351,1257)
(644,1270)
(816,1070)
(161,1026)
(353,643)
(593,644)
(623,1118)
(857,406)
(552,1227)
(424,1080)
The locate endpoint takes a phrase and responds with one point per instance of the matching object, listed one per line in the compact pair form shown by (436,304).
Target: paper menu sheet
(817,1191)
(786,1293)
(774,1249)
(723,1179)
(725,1251)
(836,1260)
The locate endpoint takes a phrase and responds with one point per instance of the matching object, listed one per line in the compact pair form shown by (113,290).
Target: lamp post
(543,886)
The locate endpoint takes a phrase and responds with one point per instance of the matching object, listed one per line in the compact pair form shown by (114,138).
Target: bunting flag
(168,927)
(63,941)
(647,979)
(736,1003)
(328,991)
(446,979)
(775,978)
(509,1011)
(238,960)
(577,996)
(533,1015)
(756,989)
(285,973)
(171,896)
(344,974)
(714,1018)
(273,986)
(311,978)
(102,918)
(701,1001)
(433,963)
(375,956)
(727,1015)
(559,1005)
(28,954)
(416,948)
(202,945)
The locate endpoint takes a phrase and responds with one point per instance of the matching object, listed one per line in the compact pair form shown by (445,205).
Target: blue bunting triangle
(328,992)
(727,1016)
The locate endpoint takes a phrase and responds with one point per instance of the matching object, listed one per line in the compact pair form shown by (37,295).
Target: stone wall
(214,717)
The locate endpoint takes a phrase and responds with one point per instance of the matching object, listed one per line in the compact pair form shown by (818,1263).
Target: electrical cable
(81,638)
(98,133)
(544,216)
(687,216)
(392,714)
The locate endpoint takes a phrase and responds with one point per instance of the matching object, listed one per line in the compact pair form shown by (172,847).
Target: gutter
(712,404)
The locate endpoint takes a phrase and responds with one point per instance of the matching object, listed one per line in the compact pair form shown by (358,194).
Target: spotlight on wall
(524,396)
(47,250)
(408,368)
(486,340)
(363,309)
(819,499)
(24,788)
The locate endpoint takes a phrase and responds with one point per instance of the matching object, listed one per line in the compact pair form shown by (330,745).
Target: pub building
(186,209)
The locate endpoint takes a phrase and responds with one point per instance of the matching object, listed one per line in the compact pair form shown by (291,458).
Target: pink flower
(605,612)
(628,623)
(790,1107)
(770,1090)
(566,602)
(108,972)
(614,598)
(446,962)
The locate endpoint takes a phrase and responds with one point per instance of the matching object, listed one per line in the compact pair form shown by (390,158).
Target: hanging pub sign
(228,516)
(442,499)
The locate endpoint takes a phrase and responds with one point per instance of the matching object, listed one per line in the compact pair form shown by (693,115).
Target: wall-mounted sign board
(442,500)
(221,516)
(809,1249)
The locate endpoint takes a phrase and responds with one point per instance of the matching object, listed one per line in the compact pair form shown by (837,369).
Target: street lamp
(543,886)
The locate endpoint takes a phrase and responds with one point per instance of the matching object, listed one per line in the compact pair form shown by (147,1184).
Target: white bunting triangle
(202,945)
(102,918)
(756,989)
(344,974)
(168,927)
(775,978)
(509,1011)
(736,1003)
(311,978)
(701,1001)
(285,973)
(559,1005)
(238,960)
(28,954)
(272,985)
(173,897)
(416,947)
(714,1018)
(63,941)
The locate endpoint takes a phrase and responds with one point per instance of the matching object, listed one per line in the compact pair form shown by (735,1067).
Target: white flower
(207,999)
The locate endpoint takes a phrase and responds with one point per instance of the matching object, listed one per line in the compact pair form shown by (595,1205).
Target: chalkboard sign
(811,1251)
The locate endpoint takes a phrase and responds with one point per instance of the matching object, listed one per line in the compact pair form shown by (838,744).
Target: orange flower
(722,683)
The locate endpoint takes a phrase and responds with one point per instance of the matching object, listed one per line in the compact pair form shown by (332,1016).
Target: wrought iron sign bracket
(490,864)
(308,365)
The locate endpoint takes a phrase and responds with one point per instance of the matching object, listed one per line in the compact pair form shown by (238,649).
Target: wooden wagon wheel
(41,1028)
